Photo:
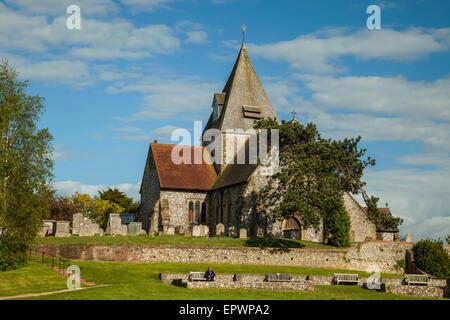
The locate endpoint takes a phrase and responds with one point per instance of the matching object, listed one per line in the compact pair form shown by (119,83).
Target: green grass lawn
(32,278)
(141,281)
(179,240)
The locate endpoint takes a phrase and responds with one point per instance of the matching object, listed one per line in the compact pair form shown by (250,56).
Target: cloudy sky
(137,69)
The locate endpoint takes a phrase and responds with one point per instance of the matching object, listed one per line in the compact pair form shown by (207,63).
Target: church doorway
(292,229)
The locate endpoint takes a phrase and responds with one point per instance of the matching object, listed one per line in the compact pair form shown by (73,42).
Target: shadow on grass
(273,243)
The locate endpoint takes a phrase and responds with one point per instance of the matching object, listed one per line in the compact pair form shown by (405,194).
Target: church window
(197,211)
(191,212)
(203,213)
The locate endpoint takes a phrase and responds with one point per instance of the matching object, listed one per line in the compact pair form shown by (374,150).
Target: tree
(120,198)
(448,239)
(381,219)
(314,173)
(431,257)
(61,208)
(25,166)
(96,209)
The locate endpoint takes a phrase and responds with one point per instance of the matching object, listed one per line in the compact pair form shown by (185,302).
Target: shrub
(431,257)
(12,255)
(400,265)
(338,223)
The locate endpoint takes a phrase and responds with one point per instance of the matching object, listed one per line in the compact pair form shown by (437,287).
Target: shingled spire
(245,99)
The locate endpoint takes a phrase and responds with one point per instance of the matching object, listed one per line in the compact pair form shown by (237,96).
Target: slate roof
(196,177)
(242,88)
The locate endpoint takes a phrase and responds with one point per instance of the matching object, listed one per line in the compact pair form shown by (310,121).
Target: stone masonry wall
(359,257)
(361,227)
(149,194)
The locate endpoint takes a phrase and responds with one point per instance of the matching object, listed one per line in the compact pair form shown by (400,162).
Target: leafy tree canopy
(314,172)
(25,163)
(383,220)
(96,209)
(120,198)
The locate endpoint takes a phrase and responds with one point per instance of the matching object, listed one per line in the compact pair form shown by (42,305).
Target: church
(177,197)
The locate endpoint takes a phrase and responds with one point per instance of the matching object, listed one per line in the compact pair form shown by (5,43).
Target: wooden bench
(197,276)
(415,279)
(278,277)
(346,278)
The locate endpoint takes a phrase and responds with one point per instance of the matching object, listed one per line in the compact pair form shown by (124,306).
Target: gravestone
(115,226)
(203,231)
(232,231)
(196,231)
(243,233)
(62,229)
(51,227)
(170,231)
(77,220)
(220,229)
(187,233)
(135,229)
(206,228)
(43,231)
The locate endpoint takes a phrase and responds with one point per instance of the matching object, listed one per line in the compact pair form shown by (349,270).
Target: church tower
(242,101)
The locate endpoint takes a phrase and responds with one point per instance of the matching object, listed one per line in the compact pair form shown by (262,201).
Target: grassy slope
(184,241)
(140,281)
(30,279)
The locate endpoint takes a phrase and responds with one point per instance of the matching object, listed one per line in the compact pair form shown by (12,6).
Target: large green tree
(120,198)
(25,167)
(314,173)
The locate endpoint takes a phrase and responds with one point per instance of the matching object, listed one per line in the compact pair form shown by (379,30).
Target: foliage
(25,166)
(118,197)
(314,173)
(431,257)
(61,208)
(448,239)
(96,209)
(400,265)
(12,254)
(337,222)
(381,219)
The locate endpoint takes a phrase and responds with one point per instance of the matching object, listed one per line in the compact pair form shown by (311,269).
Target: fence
(49,259)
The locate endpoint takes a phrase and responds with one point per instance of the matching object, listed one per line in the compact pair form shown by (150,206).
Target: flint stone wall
(359,257)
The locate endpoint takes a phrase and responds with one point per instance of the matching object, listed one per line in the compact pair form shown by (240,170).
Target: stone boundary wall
(358,257)
(437,288)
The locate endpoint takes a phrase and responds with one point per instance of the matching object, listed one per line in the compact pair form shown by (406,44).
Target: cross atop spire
(244,31)
(293,114)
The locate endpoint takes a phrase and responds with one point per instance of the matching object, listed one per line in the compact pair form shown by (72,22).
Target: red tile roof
(196,177)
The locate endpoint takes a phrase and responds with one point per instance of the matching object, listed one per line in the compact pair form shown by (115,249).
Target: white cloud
(318,52)
(67,188)
(165,97)
(117,39)
(58,7)
(145,5)
(417,195)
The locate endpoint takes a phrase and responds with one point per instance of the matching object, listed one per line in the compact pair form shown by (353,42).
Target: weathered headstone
(43,231)
(260,232)
(206,228)
(51,227)
(243,233)
(196,231)
(135,228)
(187,233)
(77,220)
(62,229)
(232,231)
(170,231)
(409,238)
(203,231)
(220,229)
(115,224)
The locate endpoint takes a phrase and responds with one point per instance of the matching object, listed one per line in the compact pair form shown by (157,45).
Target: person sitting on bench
(209,274)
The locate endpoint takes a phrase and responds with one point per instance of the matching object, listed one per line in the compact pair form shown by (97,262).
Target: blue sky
(138,69)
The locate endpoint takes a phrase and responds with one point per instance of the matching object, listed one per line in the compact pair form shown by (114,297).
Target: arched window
(197,211)
(191,212)
(203,213)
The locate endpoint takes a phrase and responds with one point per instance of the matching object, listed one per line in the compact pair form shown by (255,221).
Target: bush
(338,223)
(400,265)
(431,257)
(12,256)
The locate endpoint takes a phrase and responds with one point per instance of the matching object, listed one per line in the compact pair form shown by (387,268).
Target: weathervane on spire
(244,30)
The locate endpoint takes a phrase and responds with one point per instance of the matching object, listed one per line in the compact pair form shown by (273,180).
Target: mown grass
(141,281)
(32,278)
(179,240)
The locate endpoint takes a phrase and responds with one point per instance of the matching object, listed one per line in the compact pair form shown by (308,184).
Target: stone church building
(179,197)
